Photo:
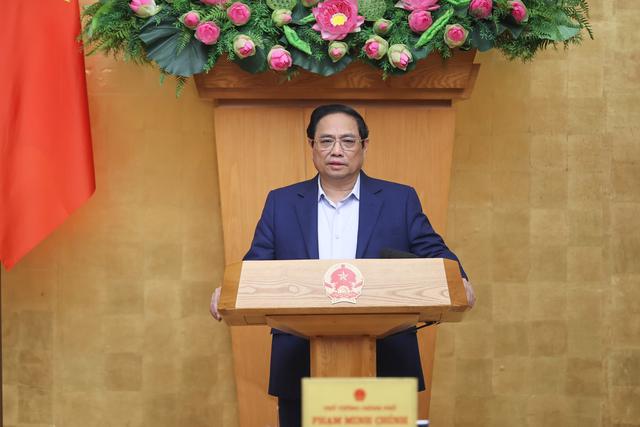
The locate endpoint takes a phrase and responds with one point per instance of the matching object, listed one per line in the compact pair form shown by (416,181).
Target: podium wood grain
(431,289)
(345,325)
(343,356)
(290,296)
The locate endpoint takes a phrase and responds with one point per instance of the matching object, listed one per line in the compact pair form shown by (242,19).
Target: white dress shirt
(338,224)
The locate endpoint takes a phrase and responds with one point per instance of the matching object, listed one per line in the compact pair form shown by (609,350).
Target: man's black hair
(325,110)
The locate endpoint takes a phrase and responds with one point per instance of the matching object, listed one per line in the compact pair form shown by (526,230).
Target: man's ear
(365,144)
(310,142)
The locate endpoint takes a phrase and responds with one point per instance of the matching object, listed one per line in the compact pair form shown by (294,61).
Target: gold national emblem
(343,283)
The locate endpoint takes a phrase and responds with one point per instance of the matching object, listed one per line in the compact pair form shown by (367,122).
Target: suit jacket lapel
(370,207)
(307,213)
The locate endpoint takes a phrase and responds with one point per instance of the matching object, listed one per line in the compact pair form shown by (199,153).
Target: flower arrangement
(186,37)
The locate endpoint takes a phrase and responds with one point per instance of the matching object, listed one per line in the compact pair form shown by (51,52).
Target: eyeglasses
(347,144)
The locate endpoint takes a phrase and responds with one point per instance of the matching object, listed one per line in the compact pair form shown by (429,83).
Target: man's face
(335,162)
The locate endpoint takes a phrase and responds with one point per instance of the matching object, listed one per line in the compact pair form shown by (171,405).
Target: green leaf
(513,28)
(182,5)
(419,53)
(298,13)
(307,19)
(459,3)
(482,44)
(435,27)
(162,42)
(462,11)
(254,64)
(106,7)
(325,66)
(295,41)
(567,32)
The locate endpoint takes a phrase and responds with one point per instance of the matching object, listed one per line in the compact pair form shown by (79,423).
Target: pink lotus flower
(519,11)
(480,9)
(208,32)
(337,18)
(337,50)
(375,47)
(279,58)
(418,4)
(399,56)
(214,2)
(239,13)
(190,19)
(455,35)
(281,17)
(243,46)
(144,8)
(420,20)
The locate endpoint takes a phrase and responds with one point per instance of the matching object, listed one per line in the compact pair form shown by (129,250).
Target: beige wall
(545,214)
(106,323)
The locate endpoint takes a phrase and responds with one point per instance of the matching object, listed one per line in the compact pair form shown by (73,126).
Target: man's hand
(215,299)
(471,296)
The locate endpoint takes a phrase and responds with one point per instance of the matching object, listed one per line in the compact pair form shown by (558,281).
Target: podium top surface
(430,288)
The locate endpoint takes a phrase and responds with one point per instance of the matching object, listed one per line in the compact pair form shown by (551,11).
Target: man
(340,214)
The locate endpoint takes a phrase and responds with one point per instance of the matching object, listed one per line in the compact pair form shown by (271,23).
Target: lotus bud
(279,58)
(337,50)
(455,35)
(519,11)
(382,26)
(281,17)
(144,8)
(191,19)
(399,56)
(244,46)
(375,47)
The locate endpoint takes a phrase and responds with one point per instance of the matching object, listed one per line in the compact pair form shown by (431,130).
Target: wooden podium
(260,144)
(290,295)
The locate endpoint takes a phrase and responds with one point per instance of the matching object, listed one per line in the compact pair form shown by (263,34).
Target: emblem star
(343,276)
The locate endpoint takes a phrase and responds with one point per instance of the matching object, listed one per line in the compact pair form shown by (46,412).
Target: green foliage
(438,26)
(372,9)
(281,4)
(294,40)
(111,27)
(166,45)
(115,30)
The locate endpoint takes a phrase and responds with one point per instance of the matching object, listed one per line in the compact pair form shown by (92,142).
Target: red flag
(46,160)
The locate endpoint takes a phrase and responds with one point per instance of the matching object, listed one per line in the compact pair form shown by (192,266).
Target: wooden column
(328,356)
(260,142)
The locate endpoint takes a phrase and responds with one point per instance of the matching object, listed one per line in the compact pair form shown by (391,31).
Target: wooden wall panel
(414,146)
(260,153)
(411,144)
(263,149)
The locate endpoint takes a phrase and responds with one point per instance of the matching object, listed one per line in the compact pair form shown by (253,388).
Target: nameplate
(381,402)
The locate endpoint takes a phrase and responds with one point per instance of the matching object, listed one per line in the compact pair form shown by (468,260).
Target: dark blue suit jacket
(390,217)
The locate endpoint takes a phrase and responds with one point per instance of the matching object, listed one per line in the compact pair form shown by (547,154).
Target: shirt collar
(355,191)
